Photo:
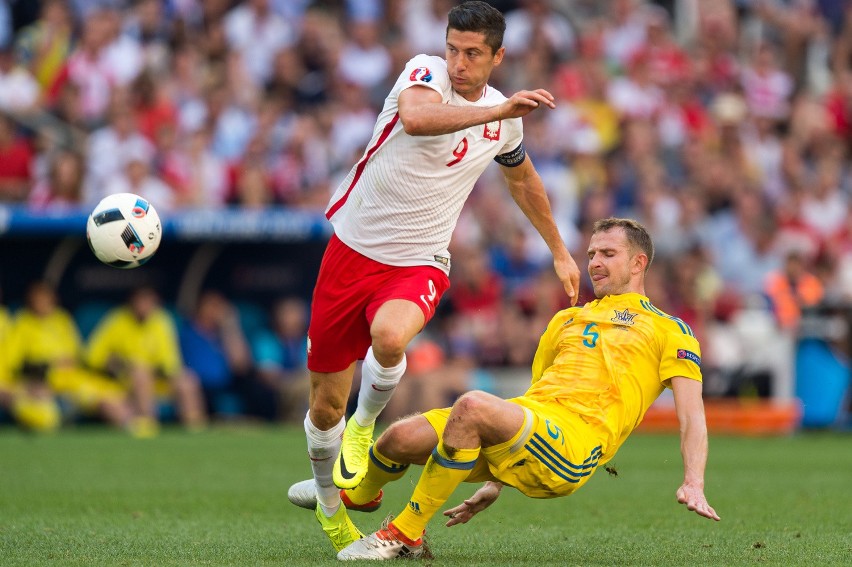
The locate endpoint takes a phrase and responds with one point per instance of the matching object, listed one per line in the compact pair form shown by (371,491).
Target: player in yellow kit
(137,343)
(597,370)
(41,361)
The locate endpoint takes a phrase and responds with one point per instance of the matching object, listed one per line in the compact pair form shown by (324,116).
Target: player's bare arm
(528,191)
(481,499)
(693,445)
(422,112)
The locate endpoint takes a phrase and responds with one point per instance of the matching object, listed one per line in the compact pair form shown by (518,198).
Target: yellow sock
(440,477)
(380,471)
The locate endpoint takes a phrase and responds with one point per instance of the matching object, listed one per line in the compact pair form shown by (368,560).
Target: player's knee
(392,442)
(471,407)
(409,440)
(325,413)
(389,343)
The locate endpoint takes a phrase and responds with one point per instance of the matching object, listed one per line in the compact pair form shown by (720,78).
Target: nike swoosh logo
(314,459)
(382,389)
(344,472)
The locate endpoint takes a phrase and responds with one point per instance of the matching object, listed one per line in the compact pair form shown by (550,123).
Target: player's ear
(498,56)
(640,262)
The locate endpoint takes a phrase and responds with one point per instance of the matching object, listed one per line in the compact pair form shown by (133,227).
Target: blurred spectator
(257,33)
(252,186)
(63,186)
(792,289)
(154,110)
(741,244)
(16,157)
(511,260)
(825,204)
(149,366)
(667,62)
(796,24)
(88,69)
(766,87)
(424,25)
(197,177)
(44,353)
(232,125)
(364,60)
(475,300)
(111,148)
(624,33)
(19,91)
(216,351)
(148,25)
(43,46)
(353,124)
(636,95)
(123,54)
(138,178)
(281,358)
(537,22)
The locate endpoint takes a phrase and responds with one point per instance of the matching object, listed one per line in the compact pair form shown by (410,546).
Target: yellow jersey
(151,344)
(46,340)
(5,339)
(608,360)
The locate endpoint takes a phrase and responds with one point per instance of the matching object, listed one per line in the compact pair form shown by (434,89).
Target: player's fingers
(569,291)
(540,99)
(707,511)
(457,518)
(526,101)
(545,93)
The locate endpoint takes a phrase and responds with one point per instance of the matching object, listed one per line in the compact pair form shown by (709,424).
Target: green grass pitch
(89,496)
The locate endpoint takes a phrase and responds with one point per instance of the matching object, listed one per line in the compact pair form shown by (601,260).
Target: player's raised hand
(695,501)
(481,499)
(523,102)
(569,275)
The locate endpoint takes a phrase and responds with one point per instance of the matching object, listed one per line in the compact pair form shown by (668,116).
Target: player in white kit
(387,265)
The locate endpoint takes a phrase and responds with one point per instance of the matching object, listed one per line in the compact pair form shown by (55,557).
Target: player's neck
(474,94)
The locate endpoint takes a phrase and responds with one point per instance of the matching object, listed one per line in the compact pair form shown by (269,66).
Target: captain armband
(514,158)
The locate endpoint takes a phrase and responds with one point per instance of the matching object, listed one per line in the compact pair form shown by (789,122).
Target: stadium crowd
(722,126)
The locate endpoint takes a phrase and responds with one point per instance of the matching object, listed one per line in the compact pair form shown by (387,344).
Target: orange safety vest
(787,300)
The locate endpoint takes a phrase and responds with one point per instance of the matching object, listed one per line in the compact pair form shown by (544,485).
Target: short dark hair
(637,235)
(479,17)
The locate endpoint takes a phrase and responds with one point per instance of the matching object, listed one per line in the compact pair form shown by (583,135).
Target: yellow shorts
(553,454)
(84,388)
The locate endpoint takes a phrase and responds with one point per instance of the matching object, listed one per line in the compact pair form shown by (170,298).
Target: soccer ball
(124,230)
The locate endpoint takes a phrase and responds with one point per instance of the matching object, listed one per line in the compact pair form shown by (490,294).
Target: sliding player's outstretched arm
(693,445)
(481,499)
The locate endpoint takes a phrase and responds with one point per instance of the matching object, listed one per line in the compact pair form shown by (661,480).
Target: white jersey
(401,201)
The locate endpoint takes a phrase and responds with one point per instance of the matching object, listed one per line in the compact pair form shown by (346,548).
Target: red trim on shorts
(361,165)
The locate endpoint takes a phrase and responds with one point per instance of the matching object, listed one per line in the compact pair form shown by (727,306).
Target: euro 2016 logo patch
(689,355)
(421,74)
(492,130)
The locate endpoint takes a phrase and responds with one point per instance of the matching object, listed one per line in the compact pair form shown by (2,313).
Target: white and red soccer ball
(124,230)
